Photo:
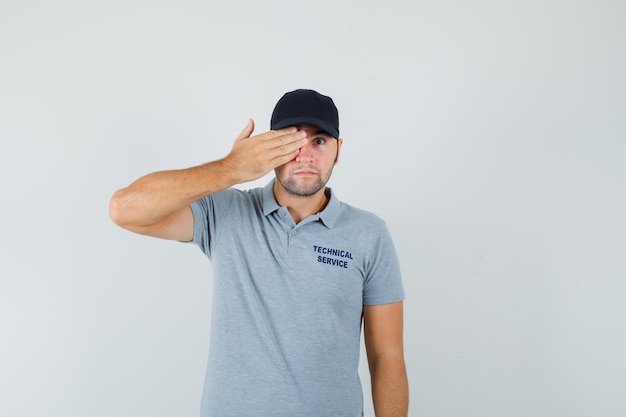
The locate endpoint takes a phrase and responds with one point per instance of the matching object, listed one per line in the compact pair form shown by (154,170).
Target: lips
(305,171)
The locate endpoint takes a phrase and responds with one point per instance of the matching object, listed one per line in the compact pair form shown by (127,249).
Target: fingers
(286,147)
(283,137)
(280,136)
(281,142)
(247,131)
(284,158)
(283,131)
(254,156)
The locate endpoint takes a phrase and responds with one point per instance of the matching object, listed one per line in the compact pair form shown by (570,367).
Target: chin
(293,186)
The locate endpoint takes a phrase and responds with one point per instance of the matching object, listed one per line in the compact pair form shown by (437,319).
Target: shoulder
(233,195)
(351,214)
(225,204)
(344,215)
(361,226)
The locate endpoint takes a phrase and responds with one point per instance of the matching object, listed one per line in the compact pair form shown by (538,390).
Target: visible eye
(320,141)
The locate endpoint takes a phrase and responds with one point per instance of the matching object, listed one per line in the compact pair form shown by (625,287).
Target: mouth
(305,172)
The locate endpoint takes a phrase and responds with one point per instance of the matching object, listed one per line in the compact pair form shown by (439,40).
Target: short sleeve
(207,213)
(383,281)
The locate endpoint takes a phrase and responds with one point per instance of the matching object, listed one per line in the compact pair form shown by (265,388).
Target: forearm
(148,204)
(390,388)
(155,196)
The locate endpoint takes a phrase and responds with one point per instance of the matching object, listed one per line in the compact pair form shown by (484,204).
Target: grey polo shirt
(288,302)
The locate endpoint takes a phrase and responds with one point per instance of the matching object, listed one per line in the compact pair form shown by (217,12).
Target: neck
(300,207)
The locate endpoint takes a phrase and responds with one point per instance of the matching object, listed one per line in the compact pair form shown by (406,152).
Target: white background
(491,136)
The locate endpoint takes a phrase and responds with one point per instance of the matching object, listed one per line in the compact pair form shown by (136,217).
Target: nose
(305,154)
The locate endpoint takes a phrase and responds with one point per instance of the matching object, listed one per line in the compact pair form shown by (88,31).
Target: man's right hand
(254,156)
(158,203)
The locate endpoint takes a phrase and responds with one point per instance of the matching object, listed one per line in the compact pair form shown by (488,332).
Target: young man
(296,271)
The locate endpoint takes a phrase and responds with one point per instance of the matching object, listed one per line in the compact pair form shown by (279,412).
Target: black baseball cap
(306,106)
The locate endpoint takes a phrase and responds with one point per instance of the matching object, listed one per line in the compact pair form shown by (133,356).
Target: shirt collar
(269,201)
(328,216)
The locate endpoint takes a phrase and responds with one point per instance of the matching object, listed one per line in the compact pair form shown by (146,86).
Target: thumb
(247,131)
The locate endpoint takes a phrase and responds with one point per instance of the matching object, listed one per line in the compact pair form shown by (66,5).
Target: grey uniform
(288,302)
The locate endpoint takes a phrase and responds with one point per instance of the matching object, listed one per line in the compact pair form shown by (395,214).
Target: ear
(339,143)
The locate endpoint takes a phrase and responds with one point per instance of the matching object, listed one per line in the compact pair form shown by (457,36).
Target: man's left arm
(383,331)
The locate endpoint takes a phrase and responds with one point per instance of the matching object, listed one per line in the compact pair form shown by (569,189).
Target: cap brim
(292,121)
